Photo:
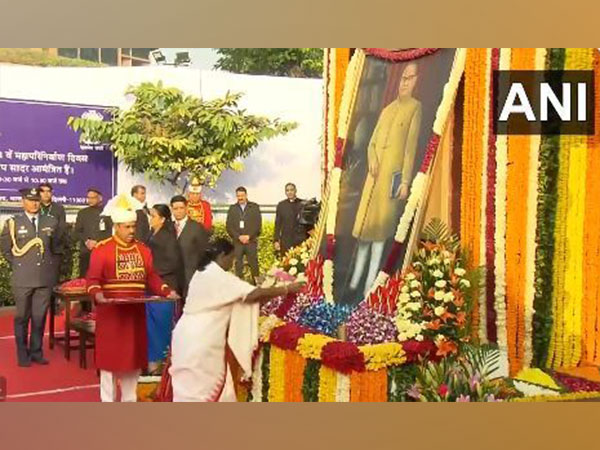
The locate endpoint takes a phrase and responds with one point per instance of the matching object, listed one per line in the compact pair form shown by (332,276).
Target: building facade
(127,57)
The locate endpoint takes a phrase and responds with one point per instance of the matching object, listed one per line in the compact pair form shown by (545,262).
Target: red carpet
(44,383)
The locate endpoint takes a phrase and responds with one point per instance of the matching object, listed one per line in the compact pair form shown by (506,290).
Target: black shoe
(24,363)
(41,361)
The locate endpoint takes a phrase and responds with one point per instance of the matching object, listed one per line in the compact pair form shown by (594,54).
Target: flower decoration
(344,357)
(368,326)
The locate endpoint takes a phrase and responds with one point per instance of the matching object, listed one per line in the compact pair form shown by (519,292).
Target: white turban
(122,215)
(122,208)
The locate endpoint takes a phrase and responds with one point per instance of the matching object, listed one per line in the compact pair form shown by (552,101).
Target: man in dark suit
(192,238)
(90,228)
(244,224)
(142,227)
(29,242)
(289,232)
(56,210)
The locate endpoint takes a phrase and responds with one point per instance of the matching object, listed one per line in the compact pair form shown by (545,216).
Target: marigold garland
(566,343)
(591,260)
(311,345)
(484,186)
(516,227)
(276,375)
(369,386)
(295,365)
(472,151)
(327,384)
(582,60)
(355,387)
(381,356)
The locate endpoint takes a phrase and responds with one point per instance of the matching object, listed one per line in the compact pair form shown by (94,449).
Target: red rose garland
(399,55)
(287,336)
(344,357)
(492,332)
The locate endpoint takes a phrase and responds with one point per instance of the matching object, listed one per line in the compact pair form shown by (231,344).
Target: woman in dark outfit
(168,264)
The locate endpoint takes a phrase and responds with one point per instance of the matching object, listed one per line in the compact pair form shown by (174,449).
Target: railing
(219,211)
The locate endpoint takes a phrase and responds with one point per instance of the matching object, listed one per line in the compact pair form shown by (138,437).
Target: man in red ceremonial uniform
(121,267)
(199,209)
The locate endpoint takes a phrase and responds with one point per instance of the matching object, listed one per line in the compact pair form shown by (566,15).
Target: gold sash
(16,251)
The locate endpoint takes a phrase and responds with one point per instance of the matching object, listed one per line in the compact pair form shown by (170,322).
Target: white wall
(294,157)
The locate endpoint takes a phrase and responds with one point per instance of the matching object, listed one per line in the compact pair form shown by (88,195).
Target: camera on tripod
(309,213)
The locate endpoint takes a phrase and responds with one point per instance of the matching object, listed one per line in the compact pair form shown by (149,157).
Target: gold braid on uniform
(16,251)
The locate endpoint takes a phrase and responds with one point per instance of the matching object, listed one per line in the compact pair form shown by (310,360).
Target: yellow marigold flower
(310,345)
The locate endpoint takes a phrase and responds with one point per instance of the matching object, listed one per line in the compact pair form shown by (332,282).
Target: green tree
(171,136)
(287,62)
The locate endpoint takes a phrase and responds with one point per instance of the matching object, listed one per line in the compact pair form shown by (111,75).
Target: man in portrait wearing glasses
(390,156)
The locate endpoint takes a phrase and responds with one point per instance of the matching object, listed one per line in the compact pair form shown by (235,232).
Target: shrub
(70,264)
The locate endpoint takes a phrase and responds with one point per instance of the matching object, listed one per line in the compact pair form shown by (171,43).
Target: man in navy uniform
(29,243)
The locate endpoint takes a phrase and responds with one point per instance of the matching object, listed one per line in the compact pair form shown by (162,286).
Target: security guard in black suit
(29,243)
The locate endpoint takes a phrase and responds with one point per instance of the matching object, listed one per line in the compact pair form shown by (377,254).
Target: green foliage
(400,380)
(6,298)
(266,251)
(166,133)
(310,383)
(70,263)
(29,57)
(438,232)
(266,364)
(466,377)
(546,218)
(287,62)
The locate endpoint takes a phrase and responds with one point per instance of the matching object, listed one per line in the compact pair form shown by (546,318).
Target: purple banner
(36,146)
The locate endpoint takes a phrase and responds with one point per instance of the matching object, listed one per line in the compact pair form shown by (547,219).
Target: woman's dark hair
(216,247)
(165,212)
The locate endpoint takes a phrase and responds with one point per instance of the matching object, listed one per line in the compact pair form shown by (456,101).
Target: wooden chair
(86,329)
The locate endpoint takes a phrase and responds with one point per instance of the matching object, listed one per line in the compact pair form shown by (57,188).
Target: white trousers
(109,382)
(361,263)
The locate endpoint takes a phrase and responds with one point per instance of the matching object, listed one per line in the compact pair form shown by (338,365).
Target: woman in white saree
(220,310)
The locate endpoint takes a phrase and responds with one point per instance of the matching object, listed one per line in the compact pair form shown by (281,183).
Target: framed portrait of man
(390,125)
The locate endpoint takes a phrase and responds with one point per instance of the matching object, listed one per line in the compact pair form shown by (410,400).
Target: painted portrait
(390,125)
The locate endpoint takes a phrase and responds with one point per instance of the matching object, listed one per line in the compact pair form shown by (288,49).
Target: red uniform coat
(122,270)
(201,213)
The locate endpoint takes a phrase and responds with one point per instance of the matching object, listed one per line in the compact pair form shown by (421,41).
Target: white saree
(214,315)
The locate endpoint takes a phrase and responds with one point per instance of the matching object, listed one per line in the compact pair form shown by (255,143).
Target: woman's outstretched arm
(264,294)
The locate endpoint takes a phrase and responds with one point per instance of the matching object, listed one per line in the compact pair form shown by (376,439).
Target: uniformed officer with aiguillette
(28,242)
